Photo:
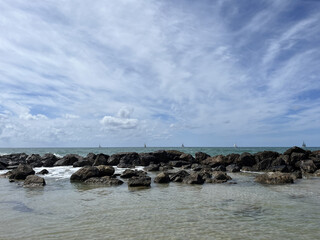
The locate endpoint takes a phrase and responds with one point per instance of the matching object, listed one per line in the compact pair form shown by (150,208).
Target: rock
(165,168)
(233,158)
(49,160)
(68,160)
(294,149)
(34,160)
(162,177)
(152,168)
(187,158)
(296,174)
(34,181)
(21,172)
(308,166)
(43,172)
(126,159)
(84,173)
(260,156)
(101,159)
(106,180)
(91,157)
(281,168)
(220,177)
(173,155)
(220,168)
(296,157)
(274,178)
(82,163)
(201,156)
(14,159)
(179,176)
(141,181)
(146,159)
(215,161)
(206,173)
(233,168)
(246,159)
(194,178)
(317,173)
(263,164)
(129,173)
(2,167)
(6,175)
(105,170)
(160,156)
(178,163)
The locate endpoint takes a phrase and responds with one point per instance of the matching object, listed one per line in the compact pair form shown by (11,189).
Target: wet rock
(194,178)
(233,168)
(106,180)
(215,161)
(263,165)
(296,174)
(82,163)
(281,168)
(84,173)
(6,175)
(220,168)
(91,157)
(179,176)
(317,173)
(188,158)
(141,181)
(101,159)
(308,166)
(201,156)
(152,168)
(105,170)
(165,168)
(2,167)
(68,160)
(220,177)
(129,173)
(246,159)
(294,149)
(178,163)
(14,159)
(295,158)
(21,172)
(43,172)
(49,160)
(34,181)
(146,159)
(274,178)
(34,160)
(126,158)
(162,177)
(173,155)
(232,158)
(270,155)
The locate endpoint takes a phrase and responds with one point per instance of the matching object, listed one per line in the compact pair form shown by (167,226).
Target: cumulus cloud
(119,123)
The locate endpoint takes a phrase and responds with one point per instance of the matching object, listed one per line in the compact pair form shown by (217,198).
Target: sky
(128,72)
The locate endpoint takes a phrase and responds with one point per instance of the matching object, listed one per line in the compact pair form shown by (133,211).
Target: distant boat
(235,146)
(182,145)
(145,145)
(304,144)
(99,146)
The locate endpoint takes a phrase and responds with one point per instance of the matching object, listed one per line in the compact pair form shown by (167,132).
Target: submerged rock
(220,177)
(84,173)
(106,180)
(162,177)
(275,178)
(194,178)
(129,173)
(21,172)
(179,176)
(34,181)
(105,170)
(141,181)
(43,172)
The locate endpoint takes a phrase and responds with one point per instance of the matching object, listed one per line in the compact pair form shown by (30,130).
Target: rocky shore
(169,165)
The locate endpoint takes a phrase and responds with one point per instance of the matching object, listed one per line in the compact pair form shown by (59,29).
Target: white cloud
(119,123)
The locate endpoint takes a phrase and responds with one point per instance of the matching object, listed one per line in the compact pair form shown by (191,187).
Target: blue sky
(125,73)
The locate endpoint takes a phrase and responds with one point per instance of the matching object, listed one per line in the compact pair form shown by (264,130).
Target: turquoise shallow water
(246,210)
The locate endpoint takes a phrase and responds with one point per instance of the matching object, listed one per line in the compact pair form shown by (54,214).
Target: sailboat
(99,146)
(182,145)
(304,144)
(235,146)
(145,145)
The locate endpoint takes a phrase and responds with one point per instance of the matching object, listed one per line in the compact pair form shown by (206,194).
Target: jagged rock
(34,181)
(215,161)
(106,180)
(179,176)
(2,167)
(21,172)
(43,172)
(233,168)
(280,168)
(141,181)
(296,157)
(82,163)
(294,149)
(194,178)
(274,178)
(126,158)
(232,158)
(178,163)
(146,159)
(162,177)
(152,168)
(246,159)
(34,160)
(84,173)
(201,156)
(101,159)
(187,158)
(220,177)
(220,168)
(308,166)
(173,155)
(68,160)
(49,160)
(165,168)
(105,170)
(14,159)
(129,173)
(260,156)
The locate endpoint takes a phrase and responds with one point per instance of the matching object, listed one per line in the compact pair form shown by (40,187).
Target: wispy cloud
(129,72)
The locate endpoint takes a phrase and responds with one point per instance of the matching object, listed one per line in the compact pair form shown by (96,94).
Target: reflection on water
(64,210)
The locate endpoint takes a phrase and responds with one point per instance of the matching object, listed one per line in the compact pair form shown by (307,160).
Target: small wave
(3,153)
(58,155)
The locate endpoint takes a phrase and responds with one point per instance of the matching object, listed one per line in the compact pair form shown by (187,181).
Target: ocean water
(246,210)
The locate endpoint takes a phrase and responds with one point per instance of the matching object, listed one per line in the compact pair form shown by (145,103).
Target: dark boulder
(68,160)
(173,155)
(165,168)
(141,181)
(294,149)
(296,157)
(105,170)
(232,158)
(246,159)
(147,158)
(84,173)
(194,178)
(152,167)
(82,163)
(14,159)
(187,158)
(34,160)
(220,177)
(270,155)
(201,156)
(34,181)
(274,178)
(2,167)
(49,160)
(101,159)
(129,173)
(279,168)
(43,172)
(21,172)
(221,168)
(106,180)
(127,158)
(215,161)
(178,163)
(162,177)
(179,176)
(233,168)
(263,165)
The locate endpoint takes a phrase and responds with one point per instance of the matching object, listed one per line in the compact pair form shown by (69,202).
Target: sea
(245,210)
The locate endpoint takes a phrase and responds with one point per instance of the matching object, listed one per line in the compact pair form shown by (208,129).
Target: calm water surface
(246,210)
